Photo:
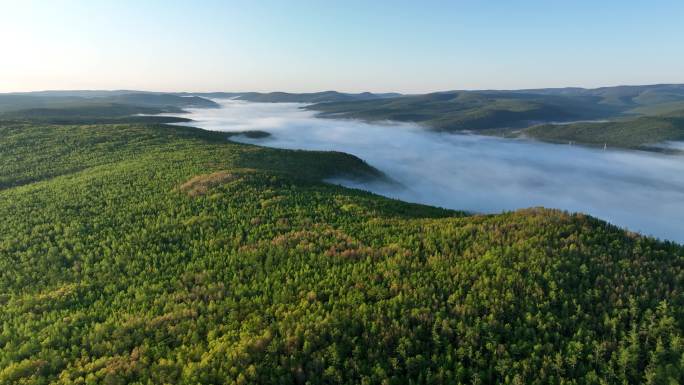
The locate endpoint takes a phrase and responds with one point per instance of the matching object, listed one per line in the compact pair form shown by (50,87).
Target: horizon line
(344,92)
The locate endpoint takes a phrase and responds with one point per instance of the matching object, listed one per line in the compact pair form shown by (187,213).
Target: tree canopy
(154,254)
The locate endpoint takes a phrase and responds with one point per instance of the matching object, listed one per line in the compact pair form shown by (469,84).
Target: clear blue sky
(406,46)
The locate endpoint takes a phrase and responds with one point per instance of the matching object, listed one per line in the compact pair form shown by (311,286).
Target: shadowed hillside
(645,132)
(470,110)
(66,99)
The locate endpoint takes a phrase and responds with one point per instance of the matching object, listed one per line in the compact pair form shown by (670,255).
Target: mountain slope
(640,116)
(91,113)
(136,254)
(623,96)
(640,132)
(286,97)
(72,100)
(470,110)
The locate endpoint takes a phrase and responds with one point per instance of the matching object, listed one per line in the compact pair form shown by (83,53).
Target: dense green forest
(152,254)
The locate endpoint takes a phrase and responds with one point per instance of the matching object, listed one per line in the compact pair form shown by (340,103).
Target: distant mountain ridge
(72,99)
(170,101)
(287,97)
(622,95)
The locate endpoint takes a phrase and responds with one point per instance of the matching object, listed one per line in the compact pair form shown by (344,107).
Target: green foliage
(659,109)
(35,152)
(90,114)
(633,133)
(505,113)
(152,254)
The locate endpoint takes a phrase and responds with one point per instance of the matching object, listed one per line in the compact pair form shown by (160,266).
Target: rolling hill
(150,254)
(153,102)
(623,116)
(286,97)
(623,96)
(644,132)
(469,110)
(91,113)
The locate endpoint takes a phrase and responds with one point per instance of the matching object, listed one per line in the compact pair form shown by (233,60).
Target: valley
(342,193)
(635,189)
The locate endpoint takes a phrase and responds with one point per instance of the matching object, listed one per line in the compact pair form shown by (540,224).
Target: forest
(643,132)
(144,253)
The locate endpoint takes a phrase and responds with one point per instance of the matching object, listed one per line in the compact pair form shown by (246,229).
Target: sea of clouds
(638,190)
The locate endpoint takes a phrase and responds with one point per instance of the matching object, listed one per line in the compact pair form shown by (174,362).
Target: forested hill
(629,116)
(470,110)
(147,102)
(153,254)
(287,97)
(624,116)
(643,132)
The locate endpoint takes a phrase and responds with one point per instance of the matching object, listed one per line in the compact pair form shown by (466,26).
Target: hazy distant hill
(163,100)
(80,93)
(470,110)
(286,97)
(641,132)
(73,99)
(625,96)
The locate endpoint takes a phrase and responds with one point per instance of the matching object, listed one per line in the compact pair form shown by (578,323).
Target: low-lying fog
(638,190)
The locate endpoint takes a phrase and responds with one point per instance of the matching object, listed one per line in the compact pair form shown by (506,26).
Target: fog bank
(638,190)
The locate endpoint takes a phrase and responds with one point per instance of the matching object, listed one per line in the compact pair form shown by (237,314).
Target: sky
(350,45)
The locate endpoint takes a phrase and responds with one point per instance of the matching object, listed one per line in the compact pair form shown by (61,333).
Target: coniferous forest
(143,253)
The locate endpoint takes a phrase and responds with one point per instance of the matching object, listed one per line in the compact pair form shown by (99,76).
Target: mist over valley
(642,191)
